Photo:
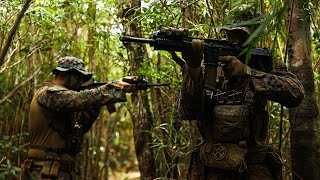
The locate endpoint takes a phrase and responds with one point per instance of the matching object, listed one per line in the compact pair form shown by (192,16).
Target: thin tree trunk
(92,43)
(95,142)
(305,159)
(12,32)
(141,113)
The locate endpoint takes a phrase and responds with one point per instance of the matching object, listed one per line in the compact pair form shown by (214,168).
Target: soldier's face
(75,79)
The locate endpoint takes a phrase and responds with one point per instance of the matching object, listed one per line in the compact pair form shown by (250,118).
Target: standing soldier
(60,115)
(235,129)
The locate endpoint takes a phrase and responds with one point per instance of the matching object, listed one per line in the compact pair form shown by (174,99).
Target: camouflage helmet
(68,63)
(240,15)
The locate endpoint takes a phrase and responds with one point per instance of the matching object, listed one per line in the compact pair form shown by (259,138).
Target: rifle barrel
(158,84)
(136,39)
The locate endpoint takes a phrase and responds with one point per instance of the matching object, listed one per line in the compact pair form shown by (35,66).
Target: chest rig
(232,109)
(228,108)
(225,123)
(226,118)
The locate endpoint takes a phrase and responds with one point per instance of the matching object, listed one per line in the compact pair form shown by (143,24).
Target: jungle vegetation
(145,134)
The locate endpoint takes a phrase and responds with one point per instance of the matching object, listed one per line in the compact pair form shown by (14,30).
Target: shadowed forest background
(144,134)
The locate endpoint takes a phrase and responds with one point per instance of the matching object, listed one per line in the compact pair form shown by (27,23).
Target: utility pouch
(45,171)
(273,160)
(54,171)
(225,156)
(231,123)
(50,167)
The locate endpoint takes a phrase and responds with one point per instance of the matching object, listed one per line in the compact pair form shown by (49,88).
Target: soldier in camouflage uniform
(235,129)
(60,114)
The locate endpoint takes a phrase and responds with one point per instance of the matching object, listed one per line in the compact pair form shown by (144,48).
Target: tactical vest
(236,126)
(51,130)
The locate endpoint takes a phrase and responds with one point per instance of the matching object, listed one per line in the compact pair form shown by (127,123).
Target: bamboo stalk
(18,87)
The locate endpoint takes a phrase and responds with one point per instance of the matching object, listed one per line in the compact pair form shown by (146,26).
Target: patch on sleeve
(56,88)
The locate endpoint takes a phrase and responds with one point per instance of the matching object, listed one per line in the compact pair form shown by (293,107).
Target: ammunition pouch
(225,156)
(231,123)
(48,168)
(273,160)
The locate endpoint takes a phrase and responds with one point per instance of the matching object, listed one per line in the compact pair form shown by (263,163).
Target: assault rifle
(177,40)
(139,82)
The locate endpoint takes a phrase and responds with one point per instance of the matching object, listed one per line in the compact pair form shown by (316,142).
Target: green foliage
(90,30)
(8,170)
(8,167)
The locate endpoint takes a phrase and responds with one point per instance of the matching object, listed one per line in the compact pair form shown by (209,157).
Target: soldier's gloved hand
(193,53)
(234,67)
(130,79)
(125,86)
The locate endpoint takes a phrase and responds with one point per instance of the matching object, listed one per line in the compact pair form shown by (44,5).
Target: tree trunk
(12,32)
(140,112)
(92,43)
(305,159)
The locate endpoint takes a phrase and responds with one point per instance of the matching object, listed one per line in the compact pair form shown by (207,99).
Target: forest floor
(125,176)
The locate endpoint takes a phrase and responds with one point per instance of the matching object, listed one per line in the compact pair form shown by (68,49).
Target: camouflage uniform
(258,87)
(232,116)
(59,118)
(232,112)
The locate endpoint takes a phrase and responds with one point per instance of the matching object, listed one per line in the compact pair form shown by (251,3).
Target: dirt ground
(125,176)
